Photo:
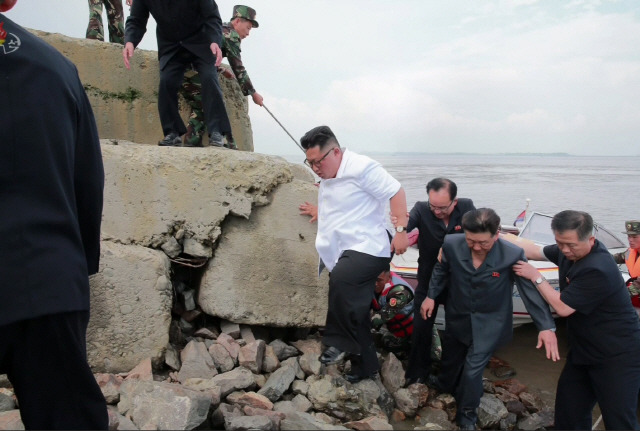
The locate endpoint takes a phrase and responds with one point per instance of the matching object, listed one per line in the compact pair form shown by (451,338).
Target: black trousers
(351,290)
(614,385)
(46,361)
(419,364)
(461,375)
(171,77)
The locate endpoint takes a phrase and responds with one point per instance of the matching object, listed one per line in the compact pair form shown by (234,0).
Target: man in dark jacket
(604,333)
(477,267)
(189,32)
(51,185)
(439,216)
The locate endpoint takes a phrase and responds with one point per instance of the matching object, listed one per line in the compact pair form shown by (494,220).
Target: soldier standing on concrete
(115,18)
(187,34)
(51,182)
(242,21)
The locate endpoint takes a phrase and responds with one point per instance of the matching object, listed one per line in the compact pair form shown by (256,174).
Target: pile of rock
(237,378)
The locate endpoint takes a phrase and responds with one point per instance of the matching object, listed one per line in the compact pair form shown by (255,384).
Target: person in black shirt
(51,188)
(439,216)
(188,33)
(603,328)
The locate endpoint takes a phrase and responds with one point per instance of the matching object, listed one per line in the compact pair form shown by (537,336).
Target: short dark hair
(437,184)
(319,136)
(579,221)
(481,220)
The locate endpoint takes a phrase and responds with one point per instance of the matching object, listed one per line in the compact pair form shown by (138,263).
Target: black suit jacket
(479,306)
(51,181)
(191,24)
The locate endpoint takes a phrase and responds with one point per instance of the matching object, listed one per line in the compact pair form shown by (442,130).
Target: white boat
(537,228)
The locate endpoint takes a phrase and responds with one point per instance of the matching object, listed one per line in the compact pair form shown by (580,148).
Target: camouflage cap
(632,227)
(246,12)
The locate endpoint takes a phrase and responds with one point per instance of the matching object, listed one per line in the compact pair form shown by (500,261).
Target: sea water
(605,187)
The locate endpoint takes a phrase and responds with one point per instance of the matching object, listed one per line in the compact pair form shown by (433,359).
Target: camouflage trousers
(191,91)
(115,17)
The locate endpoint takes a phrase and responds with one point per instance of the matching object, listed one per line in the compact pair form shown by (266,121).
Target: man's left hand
(548,338)
(400,243)
(217,52)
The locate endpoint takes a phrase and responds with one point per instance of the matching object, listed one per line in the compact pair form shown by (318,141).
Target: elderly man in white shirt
(353,243)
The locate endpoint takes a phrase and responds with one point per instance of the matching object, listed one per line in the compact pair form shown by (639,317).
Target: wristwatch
(401,229)
(539,280)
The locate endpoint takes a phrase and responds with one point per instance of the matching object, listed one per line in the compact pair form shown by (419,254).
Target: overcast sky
(432,75)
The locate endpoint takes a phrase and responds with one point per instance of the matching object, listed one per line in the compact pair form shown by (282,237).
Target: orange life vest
(633,263)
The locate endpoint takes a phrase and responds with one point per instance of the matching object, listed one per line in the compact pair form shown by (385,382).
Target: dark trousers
(348,327)
(171,77)
(46,361)
(461,375)
(419,364)
(614,385)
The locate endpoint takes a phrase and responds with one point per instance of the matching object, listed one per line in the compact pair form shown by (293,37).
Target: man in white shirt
(353,243)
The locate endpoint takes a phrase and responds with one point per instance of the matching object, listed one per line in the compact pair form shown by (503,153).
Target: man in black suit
(477,267)
(439,216)
(51,185)
(189,32)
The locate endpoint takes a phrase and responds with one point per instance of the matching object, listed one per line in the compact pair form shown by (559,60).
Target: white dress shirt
(352,210)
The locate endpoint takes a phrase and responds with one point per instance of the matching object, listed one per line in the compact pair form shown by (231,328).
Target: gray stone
(251,355)
(196,362)
(509,423)
(195,248)
(321,392)
(172,358)
(531,401)
(255,400)
(370,423)
(304,421)
(109,385)
(230,344)
(531,423)
(310,364)
(238,378)
(162,405)
(11,420)
(172,247)
(223,414)
(189,299)
(429,415)
(221,357)
(244,423)
(207,386)
(392,373)
(406,402)
(283,350)
(491,411)
(230,328)
(274,240)
(300,387)
(270,362)
(278,383)
(275,417)
(285,407)
(308,346)
(301,403)
(295,364)
(6,403)
(246,333)
(131,299)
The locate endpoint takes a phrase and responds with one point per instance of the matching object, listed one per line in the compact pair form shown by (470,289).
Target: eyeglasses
(317,163)
(439,209)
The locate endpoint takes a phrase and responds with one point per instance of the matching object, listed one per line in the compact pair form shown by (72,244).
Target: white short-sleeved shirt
(352,209)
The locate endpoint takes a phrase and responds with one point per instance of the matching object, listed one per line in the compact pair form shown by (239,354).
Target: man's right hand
(426,309)
(127,53)
(310,209)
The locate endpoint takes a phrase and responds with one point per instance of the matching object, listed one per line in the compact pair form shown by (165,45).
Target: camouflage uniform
(191,86)
(115,16)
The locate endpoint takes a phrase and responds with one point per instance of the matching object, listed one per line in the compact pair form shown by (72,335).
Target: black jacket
(192,24)
(51,181)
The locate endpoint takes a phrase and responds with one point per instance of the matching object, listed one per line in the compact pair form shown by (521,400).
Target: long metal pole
(283,128)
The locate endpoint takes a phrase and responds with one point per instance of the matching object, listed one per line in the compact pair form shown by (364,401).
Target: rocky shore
(238,377)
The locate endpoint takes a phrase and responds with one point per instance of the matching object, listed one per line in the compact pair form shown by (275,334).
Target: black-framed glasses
(317,163)
(439,209)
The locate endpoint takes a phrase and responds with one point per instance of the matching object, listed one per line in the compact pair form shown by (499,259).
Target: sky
(442,76)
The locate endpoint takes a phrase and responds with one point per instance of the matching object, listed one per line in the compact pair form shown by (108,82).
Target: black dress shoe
(467,427)
(332,355)
(171,140)
(433,382)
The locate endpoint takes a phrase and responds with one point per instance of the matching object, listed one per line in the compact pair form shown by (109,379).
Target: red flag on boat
(521,218)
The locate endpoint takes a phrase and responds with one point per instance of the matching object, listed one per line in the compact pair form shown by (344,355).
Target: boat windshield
(538,229)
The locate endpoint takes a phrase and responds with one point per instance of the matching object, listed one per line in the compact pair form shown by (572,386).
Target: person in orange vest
(393,306)
(630,258)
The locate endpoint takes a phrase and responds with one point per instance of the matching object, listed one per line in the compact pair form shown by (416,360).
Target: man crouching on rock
(353,243)
(51,187)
